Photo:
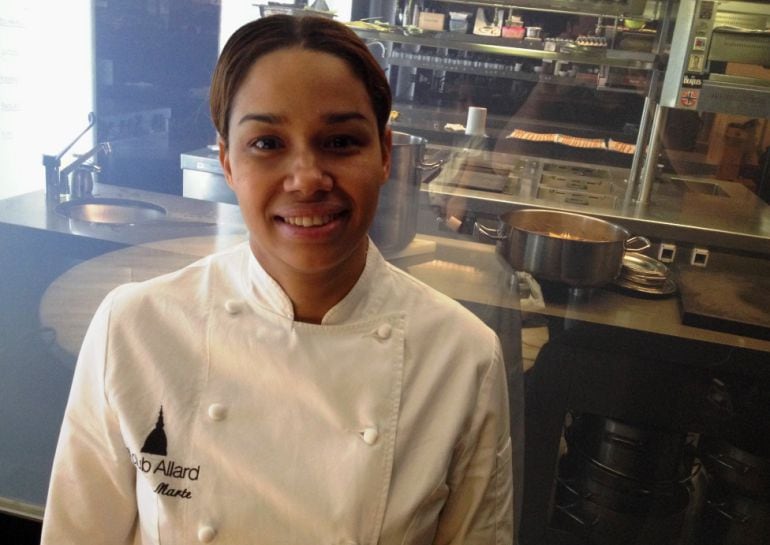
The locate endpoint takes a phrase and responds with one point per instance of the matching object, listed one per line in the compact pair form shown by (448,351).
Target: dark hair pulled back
(268,34)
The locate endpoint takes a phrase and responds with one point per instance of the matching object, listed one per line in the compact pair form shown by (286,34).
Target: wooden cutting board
(726,301)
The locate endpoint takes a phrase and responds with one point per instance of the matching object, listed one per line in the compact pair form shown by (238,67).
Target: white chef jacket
(201,411)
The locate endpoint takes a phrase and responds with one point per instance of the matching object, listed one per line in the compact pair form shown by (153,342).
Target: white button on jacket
(384,331)
(370,435)
(206,534)
(217,411)
(233,306)
(197,397)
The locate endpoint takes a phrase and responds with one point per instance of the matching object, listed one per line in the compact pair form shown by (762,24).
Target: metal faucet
(57,180)
(82,183)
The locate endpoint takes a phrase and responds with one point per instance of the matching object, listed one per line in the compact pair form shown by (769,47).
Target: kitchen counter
(700,212)
(468,271)
(184,217)
(462,269)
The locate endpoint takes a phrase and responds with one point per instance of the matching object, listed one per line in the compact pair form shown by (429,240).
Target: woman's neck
(313,294)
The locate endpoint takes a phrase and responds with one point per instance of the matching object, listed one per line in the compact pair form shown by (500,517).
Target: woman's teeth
(309,221)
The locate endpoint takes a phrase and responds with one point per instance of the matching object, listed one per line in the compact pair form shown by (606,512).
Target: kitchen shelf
(507,73)
(616,8)
(529,49)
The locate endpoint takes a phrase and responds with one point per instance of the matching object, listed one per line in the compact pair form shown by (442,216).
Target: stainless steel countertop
(736,221)
(184,217)
(219,223)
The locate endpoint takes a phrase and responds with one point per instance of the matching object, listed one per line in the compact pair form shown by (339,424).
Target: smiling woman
(305,390)
(306,159)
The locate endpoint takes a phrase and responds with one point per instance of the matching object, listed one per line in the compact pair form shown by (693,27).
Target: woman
(297,388)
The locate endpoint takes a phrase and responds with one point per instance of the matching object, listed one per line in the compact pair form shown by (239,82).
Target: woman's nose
(306,175)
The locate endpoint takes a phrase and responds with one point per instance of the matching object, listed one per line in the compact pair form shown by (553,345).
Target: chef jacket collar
(363,301)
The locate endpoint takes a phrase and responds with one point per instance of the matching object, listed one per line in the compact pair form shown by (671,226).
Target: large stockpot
(644,455)
(577,250)
(395,223)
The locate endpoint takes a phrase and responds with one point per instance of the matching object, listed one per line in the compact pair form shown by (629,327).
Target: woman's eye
(340,142)
(266,143)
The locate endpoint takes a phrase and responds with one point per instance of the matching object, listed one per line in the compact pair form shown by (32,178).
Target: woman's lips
(311,214)
(312,224)
(309,220)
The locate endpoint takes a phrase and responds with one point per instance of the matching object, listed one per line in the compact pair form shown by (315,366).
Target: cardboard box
(431,21)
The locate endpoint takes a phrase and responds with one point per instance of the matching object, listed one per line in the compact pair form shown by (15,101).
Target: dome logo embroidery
(156,440)
(156,444)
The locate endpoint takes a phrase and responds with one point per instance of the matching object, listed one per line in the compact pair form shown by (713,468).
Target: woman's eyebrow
(271,119)
(342,117)
(274,119)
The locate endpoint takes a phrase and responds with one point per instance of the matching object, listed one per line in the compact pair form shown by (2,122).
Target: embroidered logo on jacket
(156,444)
(156,440)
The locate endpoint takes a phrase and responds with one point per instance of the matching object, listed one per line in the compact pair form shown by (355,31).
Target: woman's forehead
(296,79)
(291,61)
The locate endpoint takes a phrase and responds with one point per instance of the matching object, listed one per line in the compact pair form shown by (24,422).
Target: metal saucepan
(577,250)
(395,222)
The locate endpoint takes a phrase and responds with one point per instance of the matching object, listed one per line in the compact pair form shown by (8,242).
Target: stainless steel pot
(652,457)
(733,519)
(608,514)
(619,493)
(736,469)
(577,250)
(395,223)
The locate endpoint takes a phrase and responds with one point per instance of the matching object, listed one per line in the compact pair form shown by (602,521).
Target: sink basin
(111,211)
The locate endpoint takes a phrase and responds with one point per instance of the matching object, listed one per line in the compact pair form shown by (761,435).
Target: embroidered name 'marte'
(165,490)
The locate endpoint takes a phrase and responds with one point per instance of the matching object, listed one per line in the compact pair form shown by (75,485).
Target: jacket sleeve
(479,509)
(91,497)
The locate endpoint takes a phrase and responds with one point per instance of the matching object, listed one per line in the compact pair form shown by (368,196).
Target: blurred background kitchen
(647,393)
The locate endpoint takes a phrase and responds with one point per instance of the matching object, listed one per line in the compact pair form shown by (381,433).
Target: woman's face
(306,161)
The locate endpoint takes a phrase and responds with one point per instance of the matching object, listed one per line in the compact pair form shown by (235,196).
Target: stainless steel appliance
(710,33)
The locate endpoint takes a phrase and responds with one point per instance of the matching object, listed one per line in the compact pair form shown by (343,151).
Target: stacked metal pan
(645,274)
(738,506)
(620,483)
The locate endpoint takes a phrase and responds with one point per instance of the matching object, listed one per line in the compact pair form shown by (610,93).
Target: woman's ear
(387,152)
(224,161)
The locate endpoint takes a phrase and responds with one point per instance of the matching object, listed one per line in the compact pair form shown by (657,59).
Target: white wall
(235,13)
(46,86)
(238,12)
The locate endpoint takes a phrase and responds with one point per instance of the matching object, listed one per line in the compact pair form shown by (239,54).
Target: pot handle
(568,512)
(615,438)
(643,242)
(434,168)
(491,234)
(736,466)
(736,517)
(567,508)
